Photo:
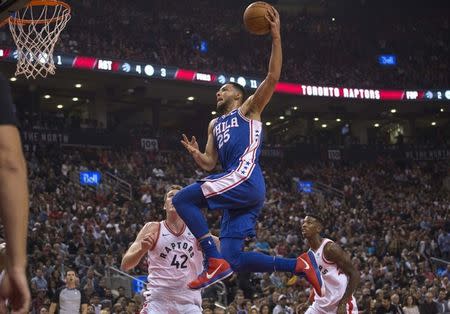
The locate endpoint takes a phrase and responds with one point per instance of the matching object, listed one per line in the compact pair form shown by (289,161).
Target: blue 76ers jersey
(240,190)
(238,141)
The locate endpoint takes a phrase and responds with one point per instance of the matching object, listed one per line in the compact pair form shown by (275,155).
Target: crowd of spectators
(392,218)
(318,48)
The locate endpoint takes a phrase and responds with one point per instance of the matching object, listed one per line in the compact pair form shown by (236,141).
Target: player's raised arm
(257,102)
(145,241)
(334,253)
(207,160)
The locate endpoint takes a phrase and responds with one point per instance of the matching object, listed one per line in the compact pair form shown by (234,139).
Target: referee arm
(84,308)
(52,309)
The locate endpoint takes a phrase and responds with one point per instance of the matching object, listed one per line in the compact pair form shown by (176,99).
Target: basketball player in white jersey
(174,259)
(339,276)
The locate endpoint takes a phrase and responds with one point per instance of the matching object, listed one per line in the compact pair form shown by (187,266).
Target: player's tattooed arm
(334,253)
(145,241)
(256,103)
(207,160)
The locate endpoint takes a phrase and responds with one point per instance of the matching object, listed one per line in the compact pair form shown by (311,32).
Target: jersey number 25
(222,138)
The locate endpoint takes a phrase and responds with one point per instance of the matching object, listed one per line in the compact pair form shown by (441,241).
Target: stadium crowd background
(393,216)
(317,49)
(392,219)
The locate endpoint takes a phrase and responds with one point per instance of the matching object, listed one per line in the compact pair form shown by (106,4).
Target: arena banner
(334,154)
(428,154)
(149,144)
(139,283)
(167,72)
(75,137)
(44,136)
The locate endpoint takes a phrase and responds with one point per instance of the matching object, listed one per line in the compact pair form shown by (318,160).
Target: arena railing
(221,292)
(328,189)
(123,187)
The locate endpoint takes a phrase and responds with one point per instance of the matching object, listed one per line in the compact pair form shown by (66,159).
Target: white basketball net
(36,38)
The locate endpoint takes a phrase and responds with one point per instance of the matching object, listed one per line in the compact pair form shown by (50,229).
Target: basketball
(255,18)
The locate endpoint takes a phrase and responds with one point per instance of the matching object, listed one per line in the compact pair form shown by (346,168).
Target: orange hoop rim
(4,22)
(35,3)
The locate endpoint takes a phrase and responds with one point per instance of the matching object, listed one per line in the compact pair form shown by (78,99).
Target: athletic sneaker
(307,265)
(216,269)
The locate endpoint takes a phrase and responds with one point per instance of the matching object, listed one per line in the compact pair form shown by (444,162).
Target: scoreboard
(150,70)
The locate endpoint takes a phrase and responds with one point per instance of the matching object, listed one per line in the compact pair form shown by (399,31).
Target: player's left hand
(342,307)
(190,145)
(274,20)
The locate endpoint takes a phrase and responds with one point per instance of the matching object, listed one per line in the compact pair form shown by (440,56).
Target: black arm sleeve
(7,112)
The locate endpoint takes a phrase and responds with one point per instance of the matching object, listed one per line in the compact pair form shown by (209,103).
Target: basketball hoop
(35,30)
(3,23)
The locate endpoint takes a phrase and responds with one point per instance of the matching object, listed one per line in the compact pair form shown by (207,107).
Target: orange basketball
(255,18)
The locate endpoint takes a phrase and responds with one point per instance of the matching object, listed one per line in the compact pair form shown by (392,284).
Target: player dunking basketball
(340,278)
(174,259)
(235,139)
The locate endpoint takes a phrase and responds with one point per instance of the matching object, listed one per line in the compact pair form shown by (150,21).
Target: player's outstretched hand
(191,146)
(14,291)
(148,242)
(274,20)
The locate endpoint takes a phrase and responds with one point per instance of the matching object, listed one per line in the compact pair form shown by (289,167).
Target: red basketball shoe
(307,265)
(217,269)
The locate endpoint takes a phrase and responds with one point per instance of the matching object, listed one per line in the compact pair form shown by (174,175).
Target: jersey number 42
(178,264)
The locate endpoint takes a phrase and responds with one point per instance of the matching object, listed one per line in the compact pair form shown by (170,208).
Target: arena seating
(317,49)
(392,217)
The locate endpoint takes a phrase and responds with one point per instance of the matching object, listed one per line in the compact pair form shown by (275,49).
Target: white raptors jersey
(335,283)
(174,261)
